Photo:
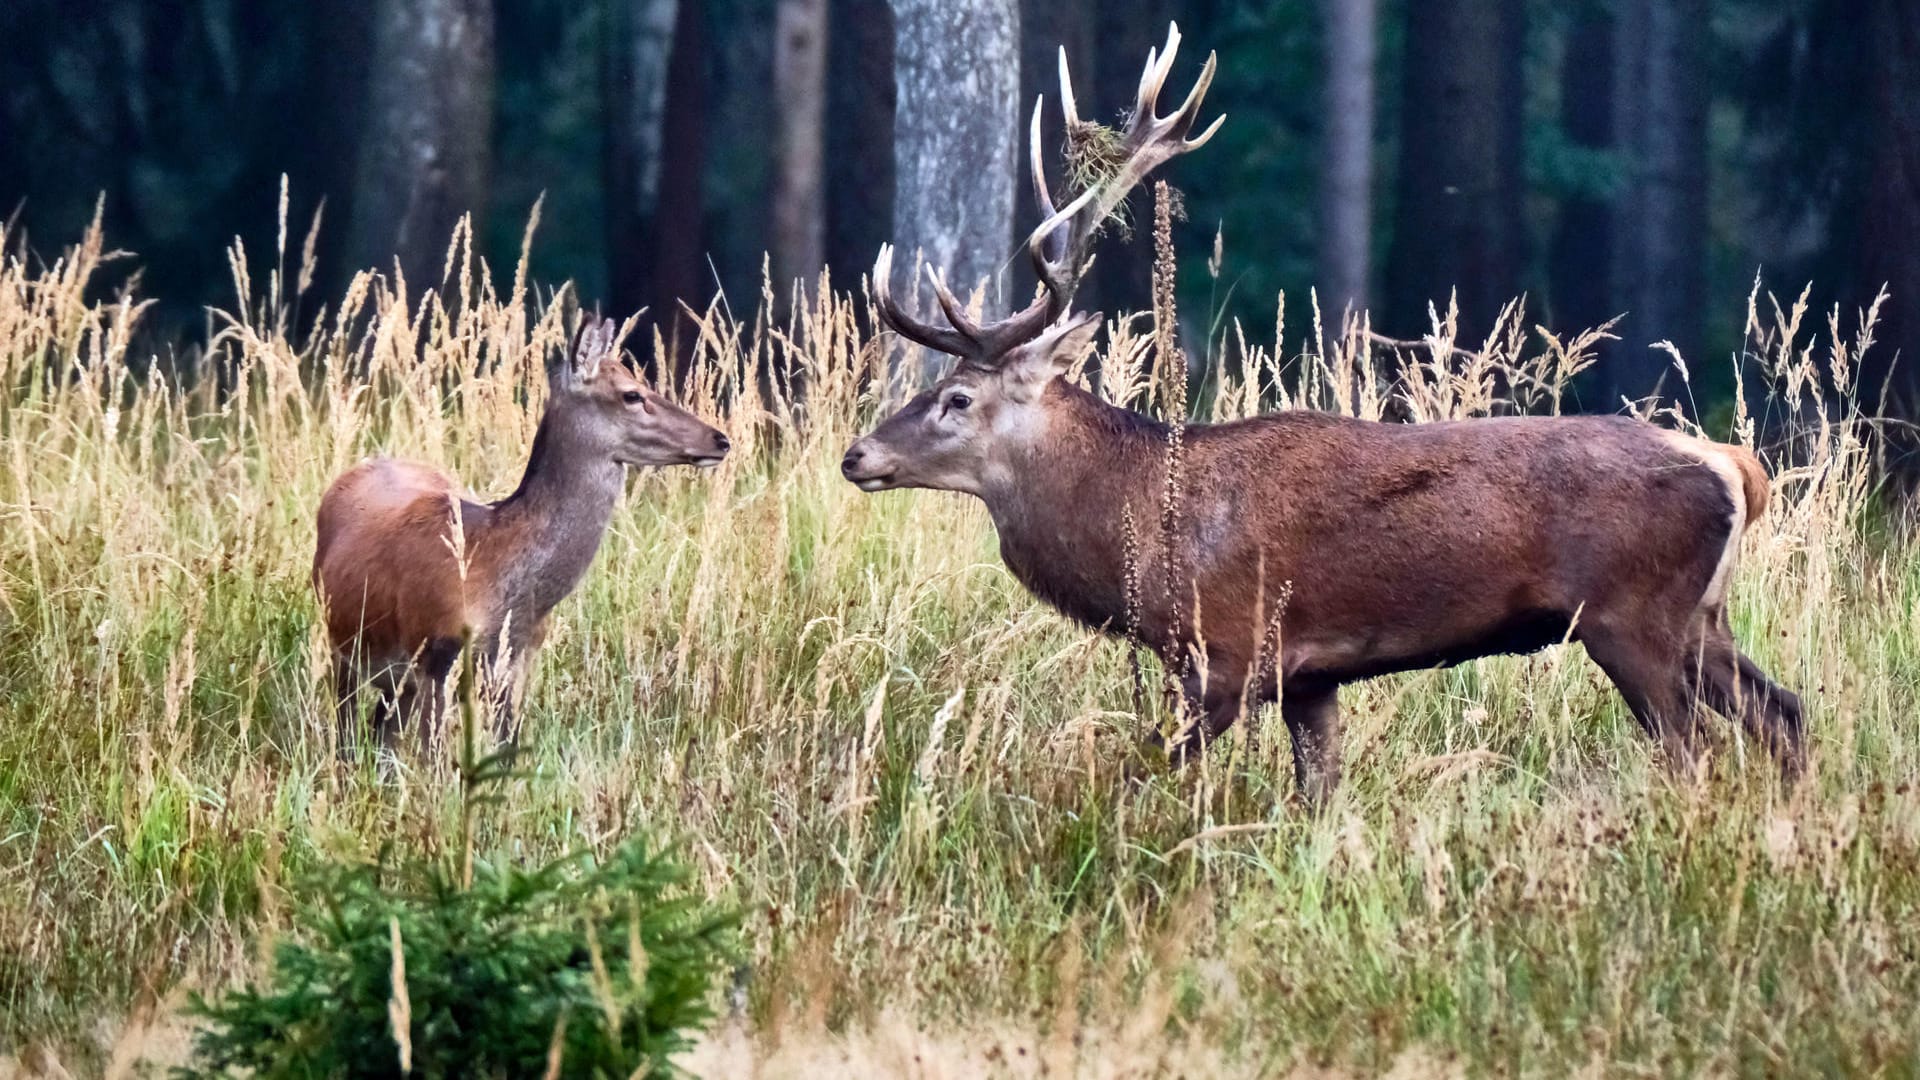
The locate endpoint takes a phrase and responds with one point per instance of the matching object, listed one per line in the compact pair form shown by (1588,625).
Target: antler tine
(1189,110)
(983,346)
(952,308)
(1056,240)
(1159,66)
(991,342)
(933,337)
(1040,193)
(1067,104)
(1166,136)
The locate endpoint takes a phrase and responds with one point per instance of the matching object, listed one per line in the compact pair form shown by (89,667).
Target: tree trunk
(1890,211)
(638,39)
(957,67)
(800,95)
(1046,27)
(1582,252)
(860,140)
(677,266)
(1458,224)
(1660,220)
(429,120)
(1122,275)
(1346,154)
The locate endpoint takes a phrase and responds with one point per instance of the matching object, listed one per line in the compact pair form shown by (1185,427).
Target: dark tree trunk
(859,203)
(1458,224)
(1890,210)
(1581,257)
(1346,154)
(799,92)
(1046,27)
(1106,82)
(638,39)
(429,119)
(677,266)
(957,67)
(1660,220)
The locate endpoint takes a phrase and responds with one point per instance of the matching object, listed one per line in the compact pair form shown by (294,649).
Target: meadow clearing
(903,768)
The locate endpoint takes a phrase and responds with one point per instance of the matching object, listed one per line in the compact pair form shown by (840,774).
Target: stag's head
(604,408)
(993,405)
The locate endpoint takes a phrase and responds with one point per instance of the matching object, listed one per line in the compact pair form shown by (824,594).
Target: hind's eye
(959,401)
(631,397)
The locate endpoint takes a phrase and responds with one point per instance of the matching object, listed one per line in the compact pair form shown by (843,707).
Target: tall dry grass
(906,767)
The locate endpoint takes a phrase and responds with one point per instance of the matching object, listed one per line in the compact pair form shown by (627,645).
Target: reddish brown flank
(1311,550)
(405,566)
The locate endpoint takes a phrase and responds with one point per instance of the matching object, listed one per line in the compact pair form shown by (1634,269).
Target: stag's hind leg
(1645,663)
(1733,685)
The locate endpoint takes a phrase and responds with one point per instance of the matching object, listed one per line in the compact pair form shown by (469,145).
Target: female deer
(399,598)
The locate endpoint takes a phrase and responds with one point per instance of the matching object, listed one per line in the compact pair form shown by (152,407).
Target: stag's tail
(1753,477)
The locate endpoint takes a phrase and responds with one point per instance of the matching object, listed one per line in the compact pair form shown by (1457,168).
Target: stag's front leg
(1312,713)
(1210,709)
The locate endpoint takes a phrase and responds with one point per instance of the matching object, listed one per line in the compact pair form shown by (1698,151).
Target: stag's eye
(632,397)
(959,401)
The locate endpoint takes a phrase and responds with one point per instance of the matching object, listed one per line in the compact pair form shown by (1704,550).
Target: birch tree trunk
(1346,154)
(957,70)
(425,146)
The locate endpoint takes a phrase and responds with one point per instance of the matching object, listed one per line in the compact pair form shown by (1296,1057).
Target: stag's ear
(591,347)
(1033,365)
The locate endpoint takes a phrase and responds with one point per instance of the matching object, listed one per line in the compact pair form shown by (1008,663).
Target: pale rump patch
(1716,458)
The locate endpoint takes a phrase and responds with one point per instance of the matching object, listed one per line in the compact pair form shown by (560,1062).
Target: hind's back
(382,565)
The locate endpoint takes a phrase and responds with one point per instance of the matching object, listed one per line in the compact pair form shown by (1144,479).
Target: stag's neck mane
(1058,507)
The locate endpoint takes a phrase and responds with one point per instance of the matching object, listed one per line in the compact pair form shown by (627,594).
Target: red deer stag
(1381,547)
(398,600)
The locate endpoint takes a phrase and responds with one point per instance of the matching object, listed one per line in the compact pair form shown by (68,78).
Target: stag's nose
(721,442)
(851,462)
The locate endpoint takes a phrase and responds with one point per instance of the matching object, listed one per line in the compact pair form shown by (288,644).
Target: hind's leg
(1735,687)
(424,699)
(506,699)
(1645,664)
(346,706)
(351,677)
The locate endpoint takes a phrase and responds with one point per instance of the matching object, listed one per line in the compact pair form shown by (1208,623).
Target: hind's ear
(592,345)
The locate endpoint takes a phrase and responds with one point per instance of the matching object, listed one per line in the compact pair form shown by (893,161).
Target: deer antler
(1059,246)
